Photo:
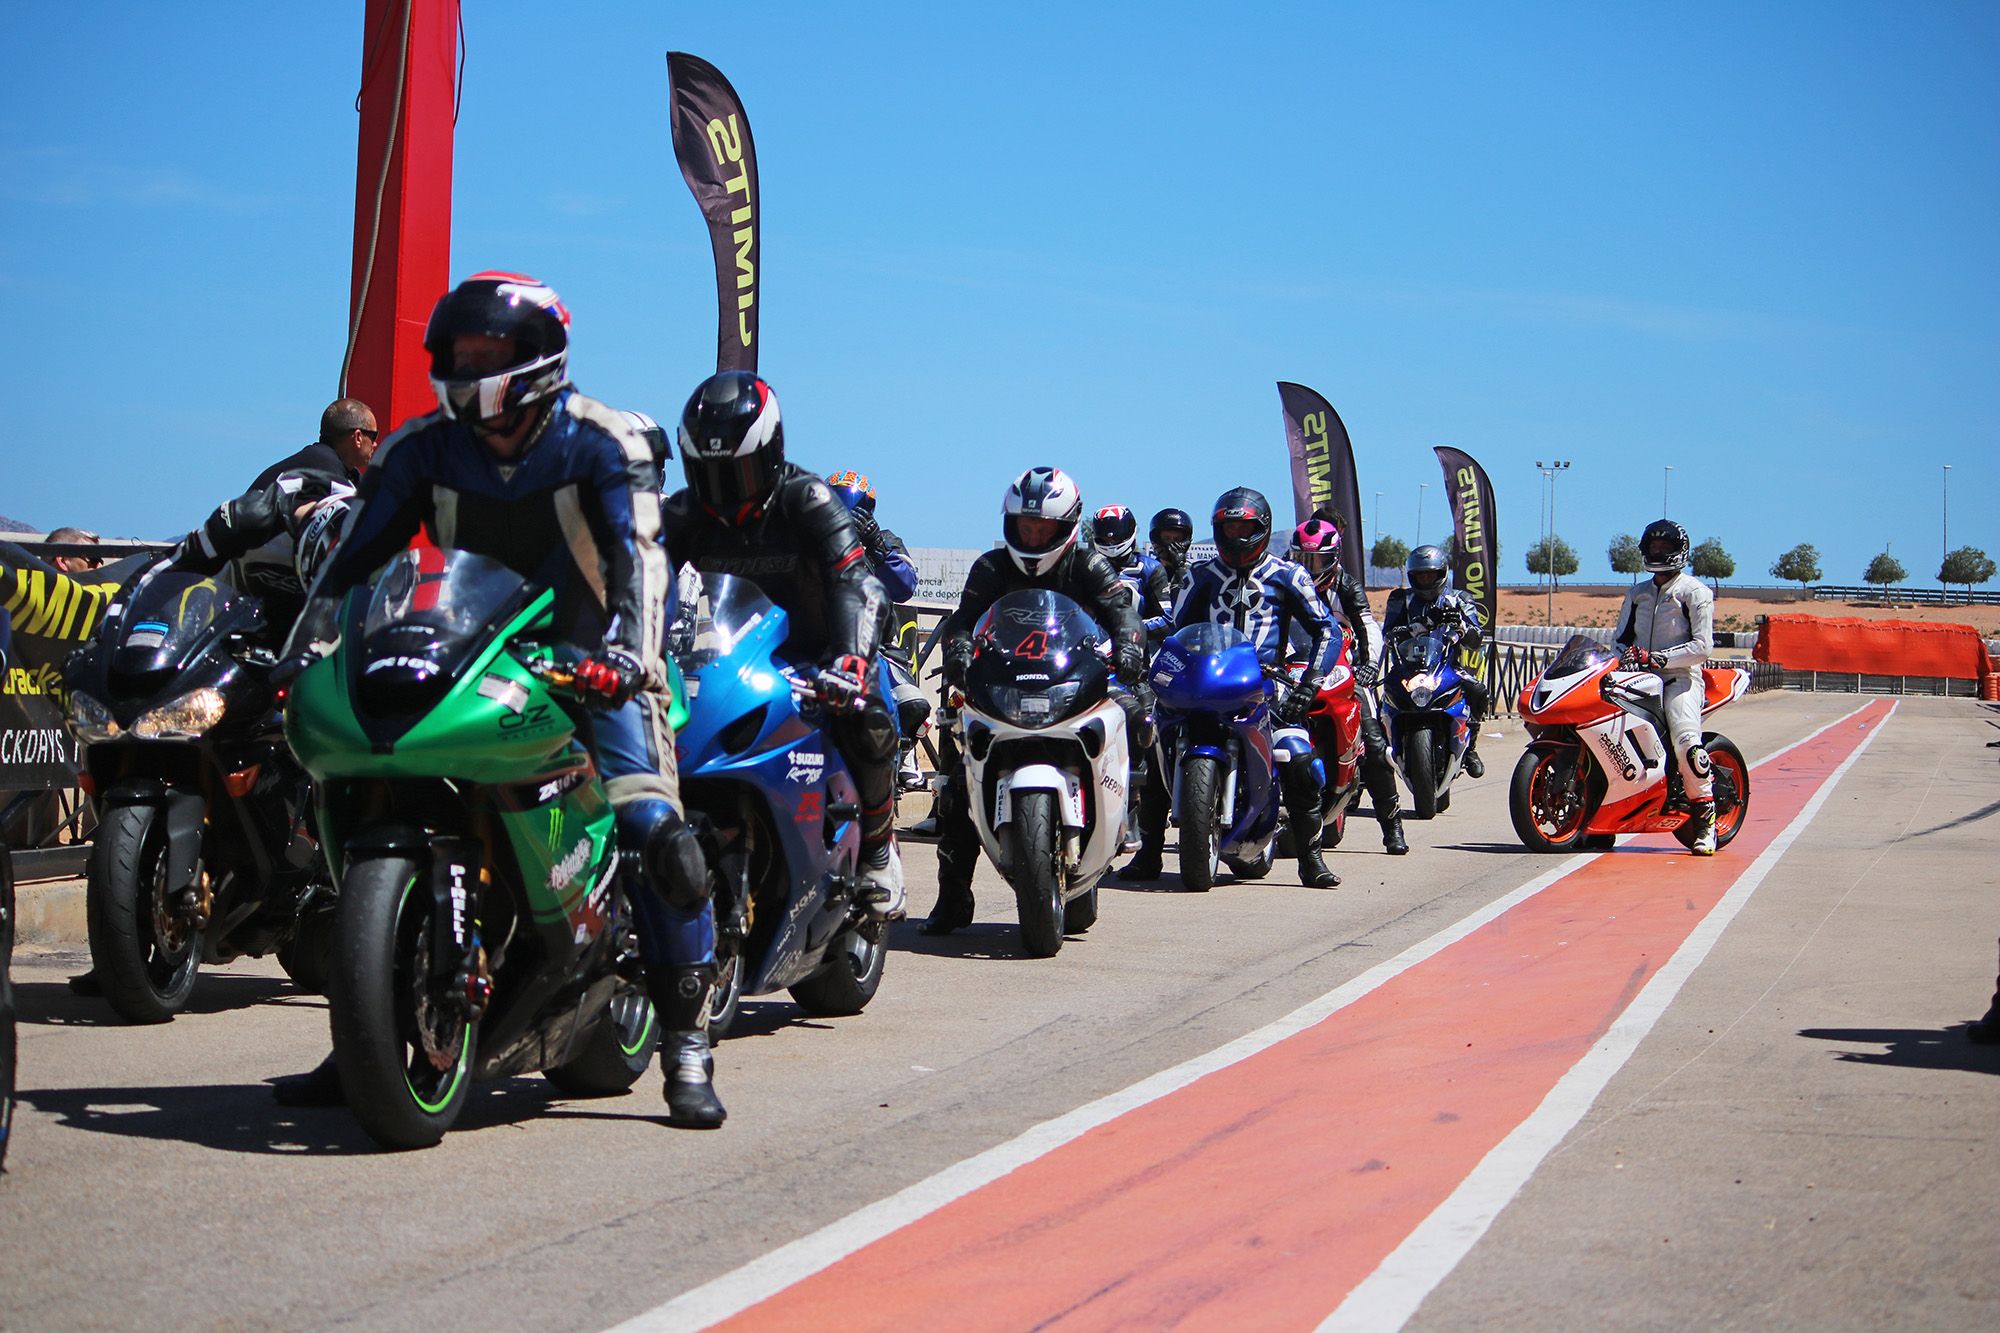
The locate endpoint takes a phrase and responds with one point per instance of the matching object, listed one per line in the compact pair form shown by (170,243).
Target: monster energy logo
(555,827)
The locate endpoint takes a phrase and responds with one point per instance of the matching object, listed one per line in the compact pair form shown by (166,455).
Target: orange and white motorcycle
(1599,762)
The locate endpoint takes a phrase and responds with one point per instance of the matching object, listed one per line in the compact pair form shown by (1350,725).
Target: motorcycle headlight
(89,719)
(183,719)
(1420,685)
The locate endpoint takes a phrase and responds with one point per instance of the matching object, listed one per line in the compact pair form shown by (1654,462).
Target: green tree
(1539,558)
(1967,565)
(1625,555)
(1799,565)
(1389,553)
(1709,561)
(1884,570)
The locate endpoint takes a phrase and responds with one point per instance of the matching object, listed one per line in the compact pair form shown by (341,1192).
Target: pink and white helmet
(1316,545)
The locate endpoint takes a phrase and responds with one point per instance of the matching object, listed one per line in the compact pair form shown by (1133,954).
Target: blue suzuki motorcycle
(1222,771)
(781,812)
(1425,713)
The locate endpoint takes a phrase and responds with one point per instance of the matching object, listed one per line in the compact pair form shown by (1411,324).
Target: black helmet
(1171,550)
(1429,571)
(1115,531)
(732,444)
(498,305)
(1663,546)
(1242,504)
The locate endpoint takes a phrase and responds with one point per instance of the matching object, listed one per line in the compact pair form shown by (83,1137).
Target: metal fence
(1832,592)
(1514,667)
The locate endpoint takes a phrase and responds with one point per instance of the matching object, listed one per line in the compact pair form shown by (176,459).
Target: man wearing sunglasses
(347,437)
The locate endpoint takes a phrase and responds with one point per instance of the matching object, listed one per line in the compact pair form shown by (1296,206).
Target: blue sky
(1753,241)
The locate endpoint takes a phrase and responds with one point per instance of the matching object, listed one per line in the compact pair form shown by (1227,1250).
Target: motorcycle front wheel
(143,948)
(1036,873)
(1201,822)
(1420,773)
(1546,801)
(404,1051)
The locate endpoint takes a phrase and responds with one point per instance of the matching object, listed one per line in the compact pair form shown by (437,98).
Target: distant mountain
(14,525)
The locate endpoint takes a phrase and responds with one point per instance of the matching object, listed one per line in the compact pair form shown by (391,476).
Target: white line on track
(771,1273)
(1386,1298)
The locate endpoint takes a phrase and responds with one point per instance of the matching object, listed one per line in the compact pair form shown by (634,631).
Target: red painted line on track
(1261,1194)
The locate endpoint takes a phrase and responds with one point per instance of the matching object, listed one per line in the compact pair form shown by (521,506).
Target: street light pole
(1549,470)
(1422,486)
(1947,518)
(1666,480)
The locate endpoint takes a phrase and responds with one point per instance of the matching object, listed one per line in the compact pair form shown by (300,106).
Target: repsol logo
(1472,535)
(1318,449)
(725,144)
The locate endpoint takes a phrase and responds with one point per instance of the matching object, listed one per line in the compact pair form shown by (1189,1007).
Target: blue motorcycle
(1425,713)
(779,815)
(1216,720)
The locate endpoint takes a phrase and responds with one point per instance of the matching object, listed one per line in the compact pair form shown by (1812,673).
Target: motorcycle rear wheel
(1532,799)
(852,975)
(391,1029)
(145,955)
(1036,873)
(1201,822)
(1421,776)
(616,1052)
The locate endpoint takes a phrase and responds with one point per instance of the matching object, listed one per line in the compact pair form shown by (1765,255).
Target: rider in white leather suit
(1667,625)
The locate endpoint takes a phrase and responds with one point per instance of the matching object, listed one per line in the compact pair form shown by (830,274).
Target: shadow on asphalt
(761,1018)
(1913,1048)
(997,941)
(243,1118)
(52,1003)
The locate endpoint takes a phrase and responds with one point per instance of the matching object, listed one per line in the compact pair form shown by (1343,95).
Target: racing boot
(318,1086)
(1147,864)
(958,857)
(1380,778)
(1302,806)
(681,998)
(882,882)
(1986,1030)
(1703,820)
(1474,766)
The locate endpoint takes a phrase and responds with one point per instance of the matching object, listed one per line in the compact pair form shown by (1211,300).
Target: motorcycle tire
(617,1051)
(1421,776)
(1080,912)
(727,1002)
(146,979)
(1732,791)
(1036,873)
(385,1018)
(1200,822)
(1570,835)
(852,975)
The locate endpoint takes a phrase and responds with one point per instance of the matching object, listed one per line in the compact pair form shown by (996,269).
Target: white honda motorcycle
(1046,765)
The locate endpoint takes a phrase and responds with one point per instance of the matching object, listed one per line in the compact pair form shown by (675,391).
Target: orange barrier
(1873,647)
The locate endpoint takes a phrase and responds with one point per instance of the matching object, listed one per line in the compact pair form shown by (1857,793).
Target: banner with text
(1474,550)
(1323,476)
(719,163)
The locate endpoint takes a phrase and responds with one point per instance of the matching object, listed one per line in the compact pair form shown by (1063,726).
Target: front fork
(458,958)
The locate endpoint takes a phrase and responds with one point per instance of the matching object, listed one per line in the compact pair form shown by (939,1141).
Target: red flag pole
(402,203)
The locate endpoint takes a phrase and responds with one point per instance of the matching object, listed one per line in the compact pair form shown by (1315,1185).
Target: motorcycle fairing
(1092,797)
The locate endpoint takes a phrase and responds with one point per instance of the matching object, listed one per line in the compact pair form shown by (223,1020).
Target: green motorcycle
(483,927)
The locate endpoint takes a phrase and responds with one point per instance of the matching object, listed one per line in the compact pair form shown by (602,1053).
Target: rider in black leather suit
(749,513)
(1042,511)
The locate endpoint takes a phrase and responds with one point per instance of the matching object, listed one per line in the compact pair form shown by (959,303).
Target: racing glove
(610,677)
(869,530)
(1297,699)
(1636,658)
(1129,662)
(957,662)
(1367,674)
(844,684)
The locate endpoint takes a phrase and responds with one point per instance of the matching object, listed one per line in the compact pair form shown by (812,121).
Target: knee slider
(676,870)
(1698,761)
(874,732)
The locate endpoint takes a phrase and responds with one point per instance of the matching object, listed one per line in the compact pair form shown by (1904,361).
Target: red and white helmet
(524,310)
(1047,494)
(1114,530)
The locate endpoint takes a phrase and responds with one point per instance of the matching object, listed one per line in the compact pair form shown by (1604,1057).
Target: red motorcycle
(1598,762)
(1334,722)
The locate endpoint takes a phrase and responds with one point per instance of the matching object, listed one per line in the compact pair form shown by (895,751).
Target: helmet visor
(1036,535)
(1426,580)
(729,483)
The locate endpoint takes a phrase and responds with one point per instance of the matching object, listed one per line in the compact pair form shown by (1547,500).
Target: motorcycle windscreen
(714,621)
(1581,654)
(428,616)
(1038,658)
(170,618)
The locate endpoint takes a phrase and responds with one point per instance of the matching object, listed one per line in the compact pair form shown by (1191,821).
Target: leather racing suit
(254,536)
(1378,772)
(1675,623)
(803,552)
(1407,606)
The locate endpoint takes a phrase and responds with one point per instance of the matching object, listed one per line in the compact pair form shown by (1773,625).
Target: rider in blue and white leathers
(1273,603)
(1668,625)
